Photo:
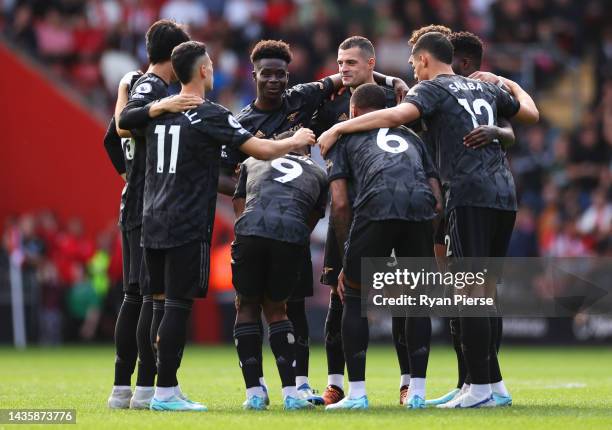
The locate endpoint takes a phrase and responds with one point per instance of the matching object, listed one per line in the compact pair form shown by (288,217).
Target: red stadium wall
(52,152)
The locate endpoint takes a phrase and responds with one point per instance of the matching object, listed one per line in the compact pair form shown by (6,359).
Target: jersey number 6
(383,139)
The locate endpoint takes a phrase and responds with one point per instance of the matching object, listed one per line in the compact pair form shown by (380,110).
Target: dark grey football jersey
(337,110)
(148,88)
(281,194)
(300,102)
(390,170)
(451,106)
(183,173)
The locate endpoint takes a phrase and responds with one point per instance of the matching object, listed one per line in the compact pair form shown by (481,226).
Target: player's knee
(274,311)
(247,310)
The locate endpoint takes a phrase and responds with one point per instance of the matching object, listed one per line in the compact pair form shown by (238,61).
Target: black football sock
(146,358)
(418,339)
(282,342)
(259,350)
(475,341)
(247,337)
(355,335)
(158,314)
(500,332)
(172,335)
(398,331)
(125,339)
(296,312)
(494,370)
(333,336)
(455,328)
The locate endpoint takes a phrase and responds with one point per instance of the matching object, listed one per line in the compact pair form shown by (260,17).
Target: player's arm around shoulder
(148,100)
(135,113)
(123,93)
(384,118)
(527,110)
(399,87)
(268,149)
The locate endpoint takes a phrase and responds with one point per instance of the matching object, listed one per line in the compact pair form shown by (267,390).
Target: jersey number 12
(175,132)
(478,105)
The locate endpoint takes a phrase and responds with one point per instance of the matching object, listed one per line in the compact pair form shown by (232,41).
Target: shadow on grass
(536,411)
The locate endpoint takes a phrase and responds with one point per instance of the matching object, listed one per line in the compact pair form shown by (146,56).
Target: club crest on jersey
(144,88)
(291,117)
(343,117)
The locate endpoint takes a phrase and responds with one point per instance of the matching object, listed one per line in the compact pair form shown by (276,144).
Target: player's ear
(424,59)
(352,111)
(372,63)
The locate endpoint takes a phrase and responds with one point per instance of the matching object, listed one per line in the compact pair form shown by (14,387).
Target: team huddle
(410,172)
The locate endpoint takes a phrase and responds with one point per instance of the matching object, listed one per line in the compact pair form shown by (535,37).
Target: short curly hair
(271,49)
(467,44)
(416,34)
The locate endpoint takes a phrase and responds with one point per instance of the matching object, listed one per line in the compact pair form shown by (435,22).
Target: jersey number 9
(290,168)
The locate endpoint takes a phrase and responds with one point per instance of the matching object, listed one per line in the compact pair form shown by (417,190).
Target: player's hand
(180,103)
(327,140)
(338,93)
(480,136)
(341,287)
(489,77)
(303,137)
(401,89)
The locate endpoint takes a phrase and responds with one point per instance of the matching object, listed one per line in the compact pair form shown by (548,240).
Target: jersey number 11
(175,132)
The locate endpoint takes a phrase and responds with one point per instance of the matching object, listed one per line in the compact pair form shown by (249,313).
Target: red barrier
(52,152)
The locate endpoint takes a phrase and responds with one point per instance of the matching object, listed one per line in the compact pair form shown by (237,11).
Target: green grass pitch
(562,388)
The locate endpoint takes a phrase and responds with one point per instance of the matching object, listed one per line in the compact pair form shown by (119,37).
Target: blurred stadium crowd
(560,50)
